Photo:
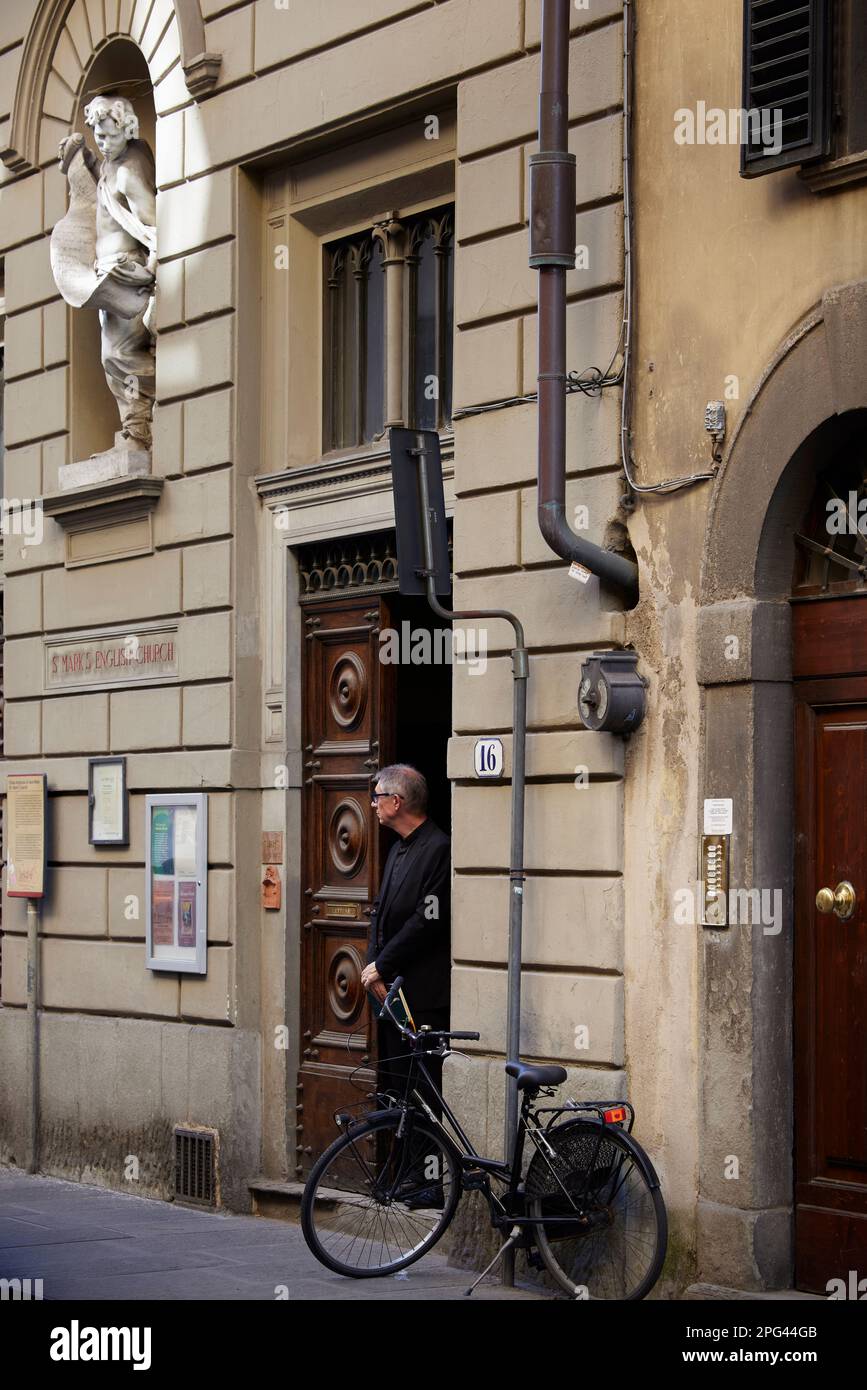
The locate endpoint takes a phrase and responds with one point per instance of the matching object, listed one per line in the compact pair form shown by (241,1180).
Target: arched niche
(169,33)
(119,69)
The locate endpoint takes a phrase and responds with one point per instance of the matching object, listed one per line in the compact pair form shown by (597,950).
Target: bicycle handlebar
(407,1032)
(386,1003)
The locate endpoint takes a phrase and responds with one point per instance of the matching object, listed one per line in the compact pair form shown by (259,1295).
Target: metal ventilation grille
(786,51)
(194,1166)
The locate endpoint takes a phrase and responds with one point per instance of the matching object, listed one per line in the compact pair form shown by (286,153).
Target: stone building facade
(343,199)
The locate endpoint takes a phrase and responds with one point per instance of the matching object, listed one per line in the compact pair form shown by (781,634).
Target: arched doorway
(791,432)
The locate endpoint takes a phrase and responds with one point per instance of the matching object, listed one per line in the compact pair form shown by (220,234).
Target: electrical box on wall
(611,696)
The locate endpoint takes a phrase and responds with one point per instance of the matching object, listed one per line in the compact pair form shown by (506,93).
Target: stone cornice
(355,476)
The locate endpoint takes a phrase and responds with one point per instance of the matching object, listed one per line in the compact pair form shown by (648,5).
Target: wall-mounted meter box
(611,696)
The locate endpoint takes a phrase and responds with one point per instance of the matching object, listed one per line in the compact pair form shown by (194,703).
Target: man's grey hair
(408,783)
(121,111)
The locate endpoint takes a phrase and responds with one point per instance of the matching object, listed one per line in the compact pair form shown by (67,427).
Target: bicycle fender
(640,1156)
(372,1117)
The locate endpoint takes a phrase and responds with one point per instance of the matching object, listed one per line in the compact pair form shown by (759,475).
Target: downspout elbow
(613,569)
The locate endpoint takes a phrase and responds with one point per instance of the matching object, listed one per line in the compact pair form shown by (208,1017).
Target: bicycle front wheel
(376,1201)
(611,1236)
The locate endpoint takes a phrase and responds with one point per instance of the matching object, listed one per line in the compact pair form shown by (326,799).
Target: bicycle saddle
(535,1076)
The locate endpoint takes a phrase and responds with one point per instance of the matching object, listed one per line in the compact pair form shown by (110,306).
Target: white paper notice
(718,815)
(107,802)
(185,841)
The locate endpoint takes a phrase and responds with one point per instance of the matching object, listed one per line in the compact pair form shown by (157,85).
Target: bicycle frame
(529,1125)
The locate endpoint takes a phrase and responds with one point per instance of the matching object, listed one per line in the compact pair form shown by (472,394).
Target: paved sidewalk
(94,1243)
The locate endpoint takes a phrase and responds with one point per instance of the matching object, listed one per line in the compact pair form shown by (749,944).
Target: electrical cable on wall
(672,484)
(598,380)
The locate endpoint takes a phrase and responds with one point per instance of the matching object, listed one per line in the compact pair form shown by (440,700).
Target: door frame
(327,499)
(831,634)
(364,600)
(744,1229)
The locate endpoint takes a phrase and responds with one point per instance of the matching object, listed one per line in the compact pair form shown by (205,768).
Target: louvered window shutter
(787,79)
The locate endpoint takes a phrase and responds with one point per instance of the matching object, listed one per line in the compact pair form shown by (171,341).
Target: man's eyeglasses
(374,796)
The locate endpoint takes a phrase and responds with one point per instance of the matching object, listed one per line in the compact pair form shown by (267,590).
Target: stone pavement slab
(92,1243)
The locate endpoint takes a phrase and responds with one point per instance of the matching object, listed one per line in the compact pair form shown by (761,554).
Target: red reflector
(615,1116)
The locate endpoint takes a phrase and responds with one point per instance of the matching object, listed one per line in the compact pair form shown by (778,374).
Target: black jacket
(410,932)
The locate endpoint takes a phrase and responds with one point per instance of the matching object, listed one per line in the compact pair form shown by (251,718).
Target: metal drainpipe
(33,989)
(552,253)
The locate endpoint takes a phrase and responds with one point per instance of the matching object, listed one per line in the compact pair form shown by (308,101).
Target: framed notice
(176,882)
(26,806)
(108,821)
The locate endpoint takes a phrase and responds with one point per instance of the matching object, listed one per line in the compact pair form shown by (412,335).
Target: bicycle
(589,1208)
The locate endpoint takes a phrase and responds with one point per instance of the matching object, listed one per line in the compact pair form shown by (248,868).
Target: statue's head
(114,124)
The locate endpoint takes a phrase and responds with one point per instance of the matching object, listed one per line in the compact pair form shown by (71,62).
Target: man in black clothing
(410,919)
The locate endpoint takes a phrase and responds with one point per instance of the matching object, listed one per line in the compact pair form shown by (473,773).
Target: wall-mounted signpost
(26,804)
(423,568)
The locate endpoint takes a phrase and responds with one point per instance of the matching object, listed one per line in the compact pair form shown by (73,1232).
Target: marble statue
(103,256)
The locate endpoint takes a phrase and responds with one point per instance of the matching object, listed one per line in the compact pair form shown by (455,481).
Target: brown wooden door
(830,1025)
(347,738)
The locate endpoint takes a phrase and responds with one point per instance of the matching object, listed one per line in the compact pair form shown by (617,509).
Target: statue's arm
(67,149)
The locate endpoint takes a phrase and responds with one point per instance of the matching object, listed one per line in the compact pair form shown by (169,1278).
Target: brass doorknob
(839,900)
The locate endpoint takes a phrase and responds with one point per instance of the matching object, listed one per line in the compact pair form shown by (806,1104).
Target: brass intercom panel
(714,876)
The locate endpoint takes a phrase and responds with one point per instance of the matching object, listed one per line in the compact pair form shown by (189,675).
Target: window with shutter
(786,83)
(848,154)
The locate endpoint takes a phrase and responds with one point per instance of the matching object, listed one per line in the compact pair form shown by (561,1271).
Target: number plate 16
(488,757)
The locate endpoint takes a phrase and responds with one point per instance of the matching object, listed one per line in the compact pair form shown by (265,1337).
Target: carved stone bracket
(201,73)
(114,500)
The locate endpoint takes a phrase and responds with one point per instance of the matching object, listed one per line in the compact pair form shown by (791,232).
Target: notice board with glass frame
(176,882)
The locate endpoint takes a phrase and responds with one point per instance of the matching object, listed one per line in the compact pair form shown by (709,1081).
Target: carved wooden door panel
(346,694)
(830,1033)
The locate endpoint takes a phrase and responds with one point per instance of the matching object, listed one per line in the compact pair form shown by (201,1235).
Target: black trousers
(394,1064)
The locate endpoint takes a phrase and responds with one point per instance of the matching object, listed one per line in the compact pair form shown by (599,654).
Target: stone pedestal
(126,460)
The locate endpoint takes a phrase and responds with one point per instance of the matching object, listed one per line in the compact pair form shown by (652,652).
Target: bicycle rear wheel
(612,1238)
(375,1202)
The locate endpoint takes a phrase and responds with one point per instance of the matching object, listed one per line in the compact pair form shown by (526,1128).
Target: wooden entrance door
(830,950)
(347,738)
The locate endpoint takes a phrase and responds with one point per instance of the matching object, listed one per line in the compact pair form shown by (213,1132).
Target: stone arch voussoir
(819,371)
(59,48)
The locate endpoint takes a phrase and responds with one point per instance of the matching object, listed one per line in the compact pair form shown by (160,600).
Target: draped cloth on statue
(125,216)
(119,283)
